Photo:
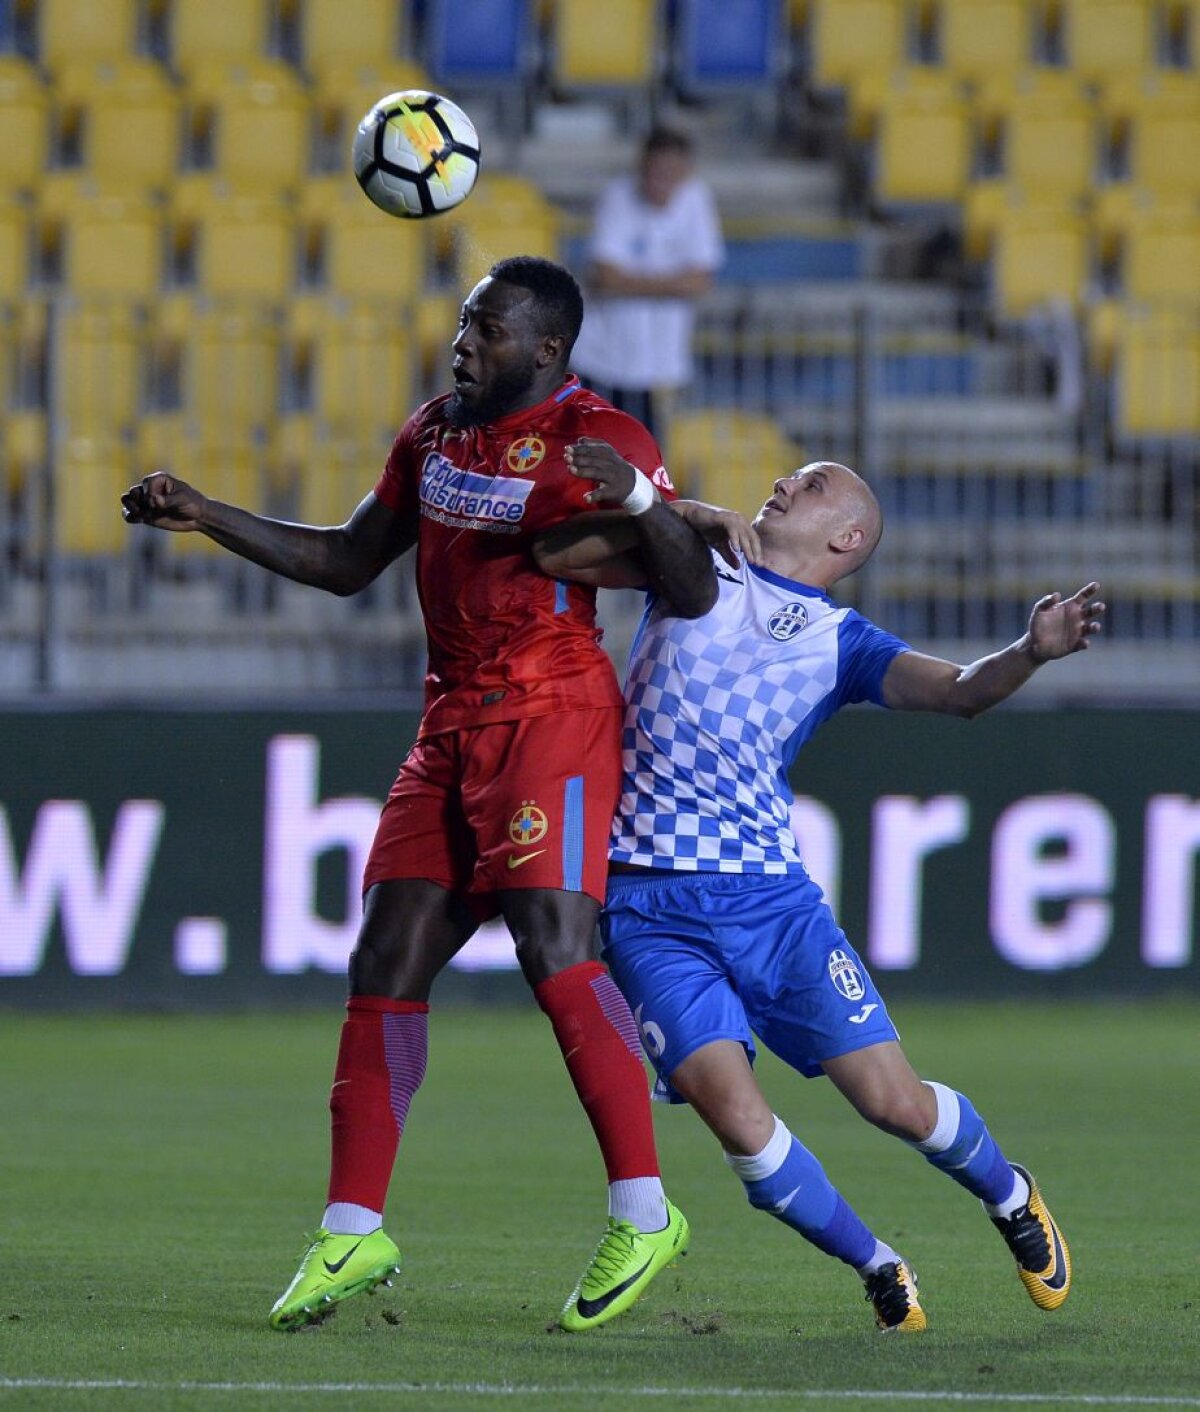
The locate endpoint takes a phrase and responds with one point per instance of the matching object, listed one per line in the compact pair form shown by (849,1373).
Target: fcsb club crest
(784,623)
(524,454)
(845,976)
(528,824)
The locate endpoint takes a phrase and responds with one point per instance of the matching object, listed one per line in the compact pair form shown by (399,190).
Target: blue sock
(786,1180)
(961,1146)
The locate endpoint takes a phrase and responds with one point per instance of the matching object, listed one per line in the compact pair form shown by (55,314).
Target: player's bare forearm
(678,565)
(584,543)
(340,559)
(1057,628)
(307,554)
(677,560)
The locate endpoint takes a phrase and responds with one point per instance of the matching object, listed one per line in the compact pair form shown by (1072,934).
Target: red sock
(599,1041)
(380,1065)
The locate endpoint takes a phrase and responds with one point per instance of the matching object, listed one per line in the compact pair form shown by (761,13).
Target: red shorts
(520,804)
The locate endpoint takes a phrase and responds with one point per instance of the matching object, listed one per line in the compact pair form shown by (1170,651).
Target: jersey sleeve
(399,481)
(865,652)
(630,439)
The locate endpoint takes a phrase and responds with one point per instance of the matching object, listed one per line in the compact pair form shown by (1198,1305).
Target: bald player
(712,927)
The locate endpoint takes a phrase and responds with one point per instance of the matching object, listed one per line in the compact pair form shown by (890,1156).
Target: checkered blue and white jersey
(717,708)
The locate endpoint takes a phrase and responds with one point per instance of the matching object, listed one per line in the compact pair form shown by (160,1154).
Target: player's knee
(378,967)
(901,1110)
(743,1127)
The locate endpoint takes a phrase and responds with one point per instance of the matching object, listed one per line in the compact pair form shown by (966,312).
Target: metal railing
(991,447)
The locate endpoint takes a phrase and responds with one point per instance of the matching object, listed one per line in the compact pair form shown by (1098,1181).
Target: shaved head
(864,511)
(822,523)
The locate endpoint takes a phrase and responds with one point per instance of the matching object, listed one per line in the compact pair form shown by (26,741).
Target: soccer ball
(416,154)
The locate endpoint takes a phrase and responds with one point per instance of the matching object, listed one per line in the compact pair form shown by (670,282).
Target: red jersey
(506,641)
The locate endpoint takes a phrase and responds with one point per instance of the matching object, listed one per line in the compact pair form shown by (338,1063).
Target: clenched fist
(165,502)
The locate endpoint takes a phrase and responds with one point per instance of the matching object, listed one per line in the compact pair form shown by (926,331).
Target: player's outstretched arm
(341,559)
(1057,628)
(677,563)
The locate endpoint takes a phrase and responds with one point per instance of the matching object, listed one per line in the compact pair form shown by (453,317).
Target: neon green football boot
(333,1268)
(625,1262)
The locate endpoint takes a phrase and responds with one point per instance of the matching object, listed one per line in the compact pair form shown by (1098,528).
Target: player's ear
(849,539)
(551,350)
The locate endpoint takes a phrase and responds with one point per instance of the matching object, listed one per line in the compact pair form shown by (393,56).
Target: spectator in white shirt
(655,248)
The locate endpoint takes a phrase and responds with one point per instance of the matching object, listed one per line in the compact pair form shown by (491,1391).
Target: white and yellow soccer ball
(416,154)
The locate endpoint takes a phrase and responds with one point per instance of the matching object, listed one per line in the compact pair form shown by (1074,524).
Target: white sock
(884,1255)
(1020,1195)
(639,1200)
(766,1163)
(344,1218)
(945,1126)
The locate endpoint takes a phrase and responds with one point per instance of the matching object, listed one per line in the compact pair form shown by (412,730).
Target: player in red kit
(504,803)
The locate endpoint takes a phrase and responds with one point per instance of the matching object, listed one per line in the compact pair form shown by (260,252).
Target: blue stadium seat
(477,41)
(727,44)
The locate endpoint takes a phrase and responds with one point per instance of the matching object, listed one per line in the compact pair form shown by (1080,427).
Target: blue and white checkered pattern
(717,708)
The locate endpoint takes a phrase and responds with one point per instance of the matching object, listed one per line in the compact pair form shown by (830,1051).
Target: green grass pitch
(158,1174)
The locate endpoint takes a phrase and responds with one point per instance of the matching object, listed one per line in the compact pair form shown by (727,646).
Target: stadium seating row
(699,45)
(979,40)
(205,238)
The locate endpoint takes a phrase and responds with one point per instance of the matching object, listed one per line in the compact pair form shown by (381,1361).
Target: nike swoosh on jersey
(865,1014)
(515,862)
(337,1264)
(589,1308)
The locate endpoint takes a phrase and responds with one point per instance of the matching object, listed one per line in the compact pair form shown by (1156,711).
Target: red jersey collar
(511,420)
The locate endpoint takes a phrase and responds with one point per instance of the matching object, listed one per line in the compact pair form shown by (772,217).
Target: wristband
(642,497)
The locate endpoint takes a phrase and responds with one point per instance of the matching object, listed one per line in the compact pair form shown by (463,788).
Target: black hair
(559,298)
(667,139)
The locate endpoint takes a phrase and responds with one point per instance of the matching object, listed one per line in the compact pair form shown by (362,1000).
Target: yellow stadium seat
(129,119)
(24,124)
(110,245)
(1158,375)
(730,458)
(94,472)
(73,30)
(506,215)
(256,116)
(241,246)
(1050,136)
(99,352)
(366,253)
(1162,256)
(162,443)
(981,38)
(231,372)
(225,32)
(336,34)
(14,251)
(363,357)
(923,148)
(610,45)
(1040,255)
(854,38)
(23,446)
(1159,116)
(1106,37)
(330,487)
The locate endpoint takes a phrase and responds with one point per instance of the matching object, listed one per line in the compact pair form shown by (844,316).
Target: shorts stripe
(561,600)
(572,835)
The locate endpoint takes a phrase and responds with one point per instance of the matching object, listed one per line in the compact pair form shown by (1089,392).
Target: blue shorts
(707,956)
